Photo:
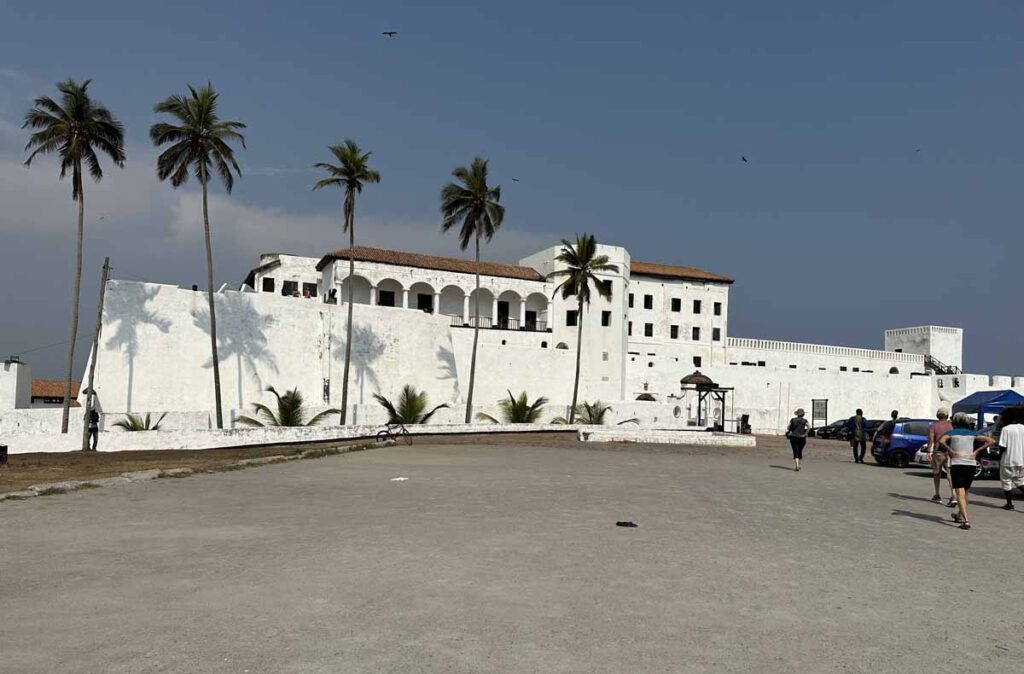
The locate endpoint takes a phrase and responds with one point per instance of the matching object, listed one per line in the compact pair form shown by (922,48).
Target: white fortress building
(413,318)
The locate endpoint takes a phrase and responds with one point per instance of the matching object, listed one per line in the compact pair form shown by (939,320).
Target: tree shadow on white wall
(449,370)
(367,348)
(126,309)
(241,335)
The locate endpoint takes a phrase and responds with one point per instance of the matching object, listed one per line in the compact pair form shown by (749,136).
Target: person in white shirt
(1011,463)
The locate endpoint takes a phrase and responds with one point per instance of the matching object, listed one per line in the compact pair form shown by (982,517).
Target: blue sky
(884,143)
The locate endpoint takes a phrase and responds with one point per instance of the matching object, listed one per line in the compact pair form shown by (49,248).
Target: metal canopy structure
(709,395)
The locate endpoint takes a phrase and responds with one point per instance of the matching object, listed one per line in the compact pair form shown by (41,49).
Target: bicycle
(394,432)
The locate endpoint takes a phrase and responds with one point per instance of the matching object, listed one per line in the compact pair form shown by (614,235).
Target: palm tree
(76,129)
(582,263)
(517,410)
(199,143)
(291,411)
(411,408)
(593,414)
(350,174)
(472,205)
(135,422)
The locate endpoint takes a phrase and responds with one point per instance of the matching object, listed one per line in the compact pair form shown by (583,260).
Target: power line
(50,346)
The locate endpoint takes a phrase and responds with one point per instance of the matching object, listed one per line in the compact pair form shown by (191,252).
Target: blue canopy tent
(987,402)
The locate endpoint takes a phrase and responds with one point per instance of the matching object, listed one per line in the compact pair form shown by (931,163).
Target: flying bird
(744,159)
(917,150)
(390,33)
(515,180)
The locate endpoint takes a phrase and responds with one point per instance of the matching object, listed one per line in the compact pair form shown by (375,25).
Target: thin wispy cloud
(271,171)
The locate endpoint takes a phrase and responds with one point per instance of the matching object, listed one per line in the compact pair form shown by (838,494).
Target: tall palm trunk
(349,213)
(579,353)
(476,336)
(66,411)
(213,313)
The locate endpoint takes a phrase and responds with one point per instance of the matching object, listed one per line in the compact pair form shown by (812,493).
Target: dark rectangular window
(695,333)
(309,290)
(648,329)
(629,329)
(425,302)
(570,318)
(386,298)
(673,332)
(696,361)
(648,301)
(606,319)
(607,284)
(718,308)
(696,306)
(677,304)
(716,334)
(842,368)
(268,285)
(290,288)
(760,363)
(631,300)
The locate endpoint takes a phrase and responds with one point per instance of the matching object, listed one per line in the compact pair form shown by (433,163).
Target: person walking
(797,434)
(856,426)
(959,443)
(94,429)
(895,415)
(1011,462)
(937,455)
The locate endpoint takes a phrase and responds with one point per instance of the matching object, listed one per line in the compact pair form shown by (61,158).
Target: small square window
(673,332)
(631,300)
(648,301)
(760,363)
(604,356)
(695,333)
(696,306)
(716,334)
(290,288)
(268,285)
(570,318)
(677,304)
(648,329)
(607,285)
(309,290)
(718,308)
(697,361)
(386,298)
(606,319)
(842,368)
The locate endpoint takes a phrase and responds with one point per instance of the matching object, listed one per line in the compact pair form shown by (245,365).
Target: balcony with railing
(501,323)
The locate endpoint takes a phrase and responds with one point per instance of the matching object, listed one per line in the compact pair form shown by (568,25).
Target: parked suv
(896,442)
(837,430)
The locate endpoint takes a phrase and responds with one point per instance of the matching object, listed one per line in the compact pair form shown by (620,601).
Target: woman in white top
(962,446)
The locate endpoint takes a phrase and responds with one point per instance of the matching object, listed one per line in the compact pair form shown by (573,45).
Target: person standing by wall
(797,434)
(937,455)
(94,429)
(960,444)
(1011,462)
(858,435)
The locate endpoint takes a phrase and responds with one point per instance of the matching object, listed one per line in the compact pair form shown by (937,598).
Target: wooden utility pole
(95,354)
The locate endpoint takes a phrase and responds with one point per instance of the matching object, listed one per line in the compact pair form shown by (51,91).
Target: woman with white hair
(797,434)
(959,444)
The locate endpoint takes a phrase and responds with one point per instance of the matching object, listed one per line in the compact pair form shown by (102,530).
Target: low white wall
(122,441)
(665,437)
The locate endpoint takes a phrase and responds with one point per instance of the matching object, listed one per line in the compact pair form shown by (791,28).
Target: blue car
(896,442)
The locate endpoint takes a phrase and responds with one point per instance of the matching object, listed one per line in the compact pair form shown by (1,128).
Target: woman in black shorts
(797,434)
(962,446)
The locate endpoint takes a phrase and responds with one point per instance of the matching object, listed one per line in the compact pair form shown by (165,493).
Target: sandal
(965,525)
(957,518)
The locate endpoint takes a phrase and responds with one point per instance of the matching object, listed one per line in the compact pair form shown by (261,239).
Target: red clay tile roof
(52,388)
(674,271)
(453,264)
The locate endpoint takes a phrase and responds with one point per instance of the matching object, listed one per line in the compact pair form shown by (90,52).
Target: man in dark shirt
(94,429)
(856,426)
